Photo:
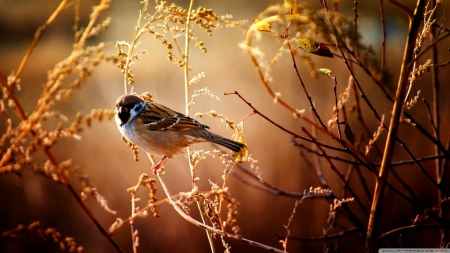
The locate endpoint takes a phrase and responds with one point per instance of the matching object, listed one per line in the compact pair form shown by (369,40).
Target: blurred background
(109,163)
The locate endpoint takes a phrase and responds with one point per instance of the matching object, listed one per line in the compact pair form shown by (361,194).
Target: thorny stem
(393,127)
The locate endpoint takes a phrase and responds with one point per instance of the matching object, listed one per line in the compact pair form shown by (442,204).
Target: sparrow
(161,131)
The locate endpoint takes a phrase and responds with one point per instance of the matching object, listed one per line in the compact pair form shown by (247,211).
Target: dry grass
(363,149)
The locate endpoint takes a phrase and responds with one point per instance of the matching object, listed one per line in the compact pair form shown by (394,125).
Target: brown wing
(160,118)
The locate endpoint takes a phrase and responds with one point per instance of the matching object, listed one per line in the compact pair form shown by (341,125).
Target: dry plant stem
(341,177)
(407,115)
(415,203)
(37,37)
(321,178)
(414,227)
(408,12)
(326,237)
(430,46)
(318,168)
(222,198)
(337,108)
(209,228)
(403,145)
(272,189)
(350,149)
(276,191)
(265,82)
(186,97)
(355,10)
(383,39)
(186,84)
(393,164)
(149,206)
(65,179)
(435,117)
(76,35)
(389,97)
(428,135)
(313,109)
(42,104)
(291,218)
(393,127)
(136,36)
(132,191)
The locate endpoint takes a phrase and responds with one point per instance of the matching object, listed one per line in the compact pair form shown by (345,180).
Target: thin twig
(186,97)
(338,125)
(209,228)
(383,39)
(325,237)
(413,227)
(65,179)
(40,31)
(435,116)
(341,177)
(348,147)
(393,164)
(311,104)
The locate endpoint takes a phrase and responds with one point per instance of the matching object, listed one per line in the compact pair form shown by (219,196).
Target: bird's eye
(124,114)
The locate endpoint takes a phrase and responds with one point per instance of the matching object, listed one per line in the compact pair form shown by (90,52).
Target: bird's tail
(230,144)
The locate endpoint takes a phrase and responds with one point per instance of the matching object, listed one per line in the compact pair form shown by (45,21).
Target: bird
(161,131)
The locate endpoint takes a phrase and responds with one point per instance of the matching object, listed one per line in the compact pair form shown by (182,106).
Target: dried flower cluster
(47,234)
(350,161)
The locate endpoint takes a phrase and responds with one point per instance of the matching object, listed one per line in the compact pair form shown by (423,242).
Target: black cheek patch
(124,115)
